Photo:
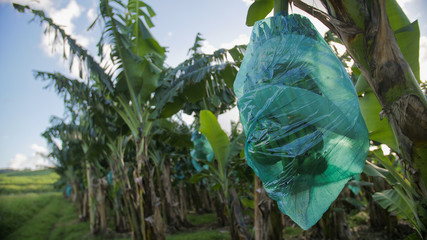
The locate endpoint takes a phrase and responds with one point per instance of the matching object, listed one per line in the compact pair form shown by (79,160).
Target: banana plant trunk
(134,220)
(366,32)
(378,216)
(367,35)
(171,204)
(182,202)
(85,207)
(93,216)
(267,219)
(102,205)
(220,209)
(147,200)
(237,219)
(333,222)
(206,198)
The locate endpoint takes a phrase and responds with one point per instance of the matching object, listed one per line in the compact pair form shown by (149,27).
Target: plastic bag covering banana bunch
(305,136)
(202,150)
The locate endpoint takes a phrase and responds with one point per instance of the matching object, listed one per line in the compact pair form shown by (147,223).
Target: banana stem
(281,7)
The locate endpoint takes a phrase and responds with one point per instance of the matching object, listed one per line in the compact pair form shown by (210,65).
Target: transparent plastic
(202,150)
(305,136)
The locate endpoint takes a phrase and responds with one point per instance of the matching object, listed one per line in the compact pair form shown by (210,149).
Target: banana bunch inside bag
(305,135)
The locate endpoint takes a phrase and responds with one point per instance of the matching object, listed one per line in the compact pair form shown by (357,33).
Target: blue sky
(26,107)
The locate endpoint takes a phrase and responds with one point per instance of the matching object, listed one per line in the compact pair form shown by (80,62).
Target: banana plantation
(306,153)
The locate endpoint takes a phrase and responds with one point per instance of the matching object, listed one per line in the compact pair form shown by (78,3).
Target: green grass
(15,210)
(201,219)
(33,215)
(200,235)
(44,216)
(292,231)
(15,182)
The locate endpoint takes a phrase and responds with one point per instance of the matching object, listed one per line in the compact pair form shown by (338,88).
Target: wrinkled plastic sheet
(305,136)
(202,151)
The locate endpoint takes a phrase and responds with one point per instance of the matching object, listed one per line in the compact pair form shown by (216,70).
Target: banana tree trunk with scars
(149,203)
(363,27)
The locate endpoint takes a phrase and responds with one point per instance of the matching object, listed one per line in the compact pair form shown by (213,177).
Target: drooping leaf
(375,171)
(201,80)
(395,203)
(403,182)
(87,62)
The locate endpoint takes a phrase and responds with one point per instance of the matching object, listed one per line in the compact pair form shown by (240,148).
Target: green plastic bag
(202,151)
(305,136)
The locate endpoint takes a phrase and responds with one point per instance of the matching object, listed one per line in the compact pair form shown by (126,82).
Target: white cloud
(38,149)
(208,48)
(64,17)
(91,14)
(19,161)
(403,2)
(225,119)
(248,2)
(38,4)
(34,161)
(423,58)
(321,28)
(241,39)
(170,34)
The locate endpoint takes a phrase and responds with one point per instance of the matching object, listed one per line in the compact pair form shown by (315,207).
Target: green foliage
(203,81)
(218,139)
(259,10)
(407,35)
(393,202)
(200,235)
(38,226)
(402,198)
(137,53)
(28,181)
(15,210)
(357,219)
(379,128)
(87,63)
(202,219)
(42,216)
(292,231)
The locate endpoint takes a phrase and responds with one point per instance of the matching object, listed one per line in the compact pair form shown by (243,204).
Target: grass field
(14,182)
(39,216)
(31,210)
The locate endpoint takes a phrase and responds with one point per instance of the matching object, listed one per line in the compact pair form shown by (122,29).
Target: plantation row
(128,161)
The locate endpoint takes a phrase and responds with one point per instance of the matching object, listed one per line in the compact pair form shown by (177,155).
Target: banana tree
(92,154)
(138,60)
(204,81)
(169,141)
(224,152)
(67,155)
